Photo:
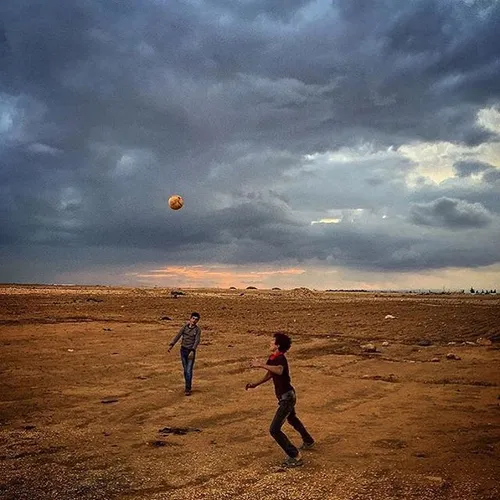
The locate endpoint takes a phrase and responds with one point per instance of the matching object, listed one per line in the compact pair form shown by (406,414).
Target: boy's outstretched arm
(276,369)
(175,339)
(253,385)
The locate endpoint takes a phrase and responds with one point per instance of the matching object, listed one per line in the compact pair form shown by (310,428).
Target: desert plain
(92,406)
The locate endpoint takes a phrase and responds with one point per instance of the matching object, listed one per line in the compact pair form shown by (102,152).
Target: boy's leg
(189,372)
(284,408)
(185,364)
(295,422)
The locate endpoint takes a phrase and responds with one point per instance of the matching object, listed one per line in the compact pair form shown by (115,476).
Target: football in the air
(175,202)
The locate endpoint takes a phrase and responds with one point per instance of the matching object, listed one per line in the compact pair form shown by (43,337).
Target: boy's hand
(250,386)
(169,349)
(191,355)
(255,363)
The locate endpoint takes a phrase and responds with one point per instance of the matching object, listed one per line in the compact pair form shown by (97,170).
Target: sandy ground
(86,384)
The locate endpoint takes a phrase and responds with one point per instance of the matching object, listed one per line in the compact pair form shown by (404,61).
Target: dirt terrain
(86,385)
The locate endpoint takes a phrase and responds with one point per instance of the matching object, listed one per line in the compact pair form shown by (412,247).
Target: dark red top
(281,382)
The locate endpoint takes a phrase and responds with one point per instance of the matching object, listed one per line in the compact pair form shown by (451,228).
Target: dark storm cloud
(108,107)
(467,168)
(492,176)
(451,214)
(483,190)
(282,10)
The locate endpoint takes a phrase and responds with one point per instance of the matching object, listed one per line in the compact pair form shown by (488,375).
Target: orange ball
(175,202)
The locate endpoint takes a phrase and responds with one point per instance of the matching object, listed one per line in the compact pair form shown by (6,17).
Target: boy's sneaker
(290,462)
(306,446)
(187,393)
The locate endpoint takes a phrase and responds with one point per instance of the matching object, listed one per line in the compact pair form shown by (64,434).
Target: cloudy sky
(326,143)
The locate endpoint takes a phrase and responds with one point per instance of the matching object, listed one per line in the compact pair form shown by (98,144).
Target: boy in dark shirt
(277,368)
(190,334)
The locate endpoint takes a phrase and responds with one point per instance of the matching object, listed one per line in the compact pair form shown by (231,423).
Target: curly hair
(283,341)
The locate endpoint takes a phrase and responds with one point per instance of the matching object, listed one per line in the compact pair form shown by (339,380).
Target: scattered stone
(29,427)
(158,443)
(385,378)
(483,341)
(420,454)
(392,444)
(230,345)
(435,360)
(451,343)
(142,377)
(424,343)
(369,348)
(385,343)
(437,481)
(71,350)
(451,355)
(468,342)
(107,329)
(390,378)
(390,316)
(166,318)
(109,400)
(178,431)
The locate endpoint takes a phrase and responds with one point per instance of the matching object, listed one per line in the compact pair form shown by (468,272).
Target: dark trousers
(286,411)
(187,365)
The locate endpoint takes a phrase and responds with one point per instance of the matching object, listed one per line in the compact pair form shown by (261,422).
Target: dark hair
(283,341)
(195,315)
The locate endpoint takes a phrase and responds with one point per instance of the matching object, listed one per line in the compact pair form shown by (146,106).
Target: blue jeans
(187,365)
(286,411)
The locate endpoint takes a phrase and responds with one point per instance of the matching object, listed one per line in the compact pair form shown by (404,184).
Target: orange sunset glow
(201,276)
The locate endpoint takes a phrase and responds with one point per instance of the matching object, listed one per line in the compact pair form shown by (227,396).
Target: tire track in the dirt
(222,418)
(326,349)
(359,398)
(209,484)
(73,319)
(452,381)
(192,488)
(235,483)
(222,362)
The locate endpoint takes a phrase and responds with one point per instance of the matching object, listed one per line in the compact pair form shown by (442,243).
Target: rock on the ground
(424,343)
(483,341)
(369,348)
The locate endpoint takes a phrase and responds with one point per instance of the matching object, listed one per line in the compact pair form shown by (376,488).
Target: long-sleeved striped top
(190,337)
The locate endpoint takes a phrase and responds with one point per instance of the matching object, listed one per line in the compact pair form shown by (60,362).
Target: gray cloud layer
(106,108)
(451,214)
